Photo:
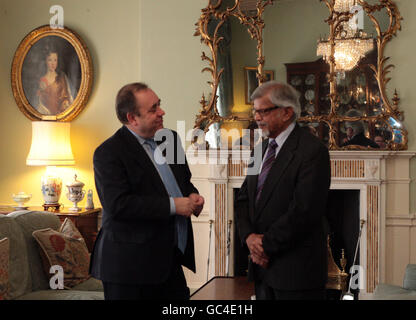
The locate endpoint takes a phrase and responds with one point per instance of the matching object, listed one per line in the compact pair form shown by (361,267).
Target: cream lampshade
(51,146)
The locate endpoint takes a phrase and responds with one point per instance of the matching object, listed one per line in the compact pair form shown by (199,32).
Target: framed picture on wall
(52,74)
(251,81)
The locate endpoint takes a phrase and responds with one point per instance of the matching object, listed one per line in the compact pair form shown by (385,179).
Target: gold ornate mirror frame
(209,114)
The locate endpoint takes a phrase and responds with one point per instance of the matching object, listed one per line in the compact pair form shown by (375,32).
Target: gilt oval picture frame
(52,74)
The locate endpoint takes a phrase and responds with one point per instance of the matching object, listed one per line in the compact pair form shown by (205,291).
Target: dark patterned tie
(267,164)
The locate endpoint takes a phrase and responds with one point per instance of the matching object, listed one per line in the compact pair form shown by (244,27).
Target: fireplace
(343,218)
(342,225)
(362,182)
(240,251)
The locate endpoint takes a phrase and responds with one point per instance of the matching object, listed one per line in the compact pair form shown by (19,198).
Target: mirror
(268,39)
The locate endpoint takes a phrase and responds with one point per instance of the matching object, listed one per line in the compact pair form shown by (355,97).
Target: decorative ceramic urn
(20,198)
(75,193)
(51,189)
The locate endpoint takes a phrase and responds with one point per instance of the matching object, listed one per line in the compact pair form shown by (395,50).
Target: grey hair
(280,94)
(356,126)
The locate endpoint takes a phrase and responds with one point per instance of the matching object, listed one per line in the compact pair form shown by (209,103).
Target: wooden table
(225,288)
(85,220)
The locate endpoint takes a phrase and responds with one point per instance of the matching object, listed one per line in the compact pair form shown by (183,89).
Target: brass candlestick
(343,261)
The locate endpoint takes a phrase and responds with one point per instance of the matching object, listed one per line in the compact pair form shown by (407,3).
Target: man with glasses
(280,211)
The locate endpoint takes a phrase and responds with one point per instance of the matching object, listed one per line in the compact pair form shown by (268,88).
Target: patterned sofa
(27,279)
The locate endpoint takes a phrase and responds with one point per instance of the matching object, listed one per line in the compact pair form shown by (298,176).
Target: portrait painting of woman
(51,75)
(54,91)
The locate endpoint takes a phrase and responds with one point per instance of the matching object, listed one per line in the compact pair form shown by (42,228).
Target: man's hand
(184,206)
(262,262)
(255,245)
(198,202)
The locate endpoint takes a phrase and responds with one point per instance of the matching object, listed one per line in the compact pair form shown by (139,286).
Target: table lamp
(51,147)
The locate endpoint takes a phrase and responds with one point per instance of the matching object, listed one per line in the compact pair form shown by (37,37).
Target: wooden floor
(225,288)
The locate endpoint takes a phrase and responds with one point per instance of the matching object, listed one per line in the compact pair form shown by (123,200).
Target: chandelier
(351,44)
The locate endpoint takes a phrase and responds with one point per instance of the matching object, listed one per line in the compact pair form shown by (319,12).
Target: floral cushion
(66,248)
(68,228)
(4,268)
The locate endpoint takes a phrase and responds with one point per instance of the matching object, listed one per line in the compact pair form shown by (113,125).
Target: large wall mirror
(278,39)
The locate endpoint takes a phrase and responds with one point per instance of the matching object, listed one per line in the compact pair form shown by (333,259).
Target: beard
(264,130)
(265,133)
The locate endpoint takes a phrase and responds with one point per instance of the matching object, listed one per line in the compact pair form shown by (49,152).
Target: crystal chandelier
(350,45)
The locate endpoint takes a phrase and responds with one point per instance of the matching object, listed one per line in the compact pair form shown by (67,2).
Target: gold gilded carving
(208,114)
(389,115)
(390,110)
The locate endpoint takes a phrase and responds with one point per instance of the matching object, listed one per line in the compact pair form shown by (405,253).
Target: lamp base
(54,207)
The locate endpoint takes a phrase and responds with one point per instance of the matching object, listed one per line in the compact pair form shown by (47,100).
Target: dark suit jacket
(361,140)
(136,242)
(290,214)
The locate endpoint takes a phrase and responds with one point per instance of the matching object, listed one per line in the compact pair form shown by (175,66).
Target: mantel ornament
(387,119)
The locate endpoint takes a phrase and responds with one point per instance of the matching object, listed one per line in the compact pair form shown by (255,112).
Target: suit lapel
(137,152)
(280,164)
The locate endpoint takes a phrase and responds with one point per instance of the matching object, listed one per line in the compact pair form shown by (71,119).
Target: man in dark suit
(355,132)
(146,234)
(280,210)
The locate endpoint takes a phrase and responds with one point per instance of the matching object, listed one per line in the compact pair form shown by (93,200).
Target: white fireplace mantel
(382,177)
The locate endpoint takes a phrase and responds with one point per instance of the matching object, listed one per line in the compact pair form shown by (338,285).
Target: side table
(85,220)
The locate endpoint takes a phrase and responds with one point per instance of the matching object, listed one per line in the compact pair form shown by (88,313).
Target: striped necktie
(267,164)
(174,191)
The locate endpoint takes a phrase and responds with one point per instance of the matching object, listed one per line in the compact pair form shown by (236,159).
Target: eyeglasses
(264,112)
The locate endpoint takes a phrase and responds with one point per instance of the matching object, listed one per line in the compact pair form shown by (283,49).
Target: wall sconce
(51,147)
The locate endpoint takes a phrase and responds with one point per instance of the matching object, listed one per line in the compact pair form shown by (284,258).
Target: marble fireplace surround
(388,240)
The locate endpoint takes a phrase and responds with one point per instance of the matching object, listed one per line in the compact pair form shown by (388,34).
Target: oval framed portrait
(52,74)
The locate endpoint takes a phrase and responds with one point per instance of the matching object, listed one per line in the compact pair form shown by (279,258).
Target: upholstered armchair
(392,292)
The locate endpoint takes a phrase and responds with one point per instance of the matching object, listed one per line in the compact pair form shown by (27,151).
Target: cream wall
(153,41)
(403,49)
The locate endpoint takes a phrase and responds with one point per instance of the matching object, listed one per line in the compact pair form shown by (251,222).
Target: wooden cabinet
(85,220)
(311,80)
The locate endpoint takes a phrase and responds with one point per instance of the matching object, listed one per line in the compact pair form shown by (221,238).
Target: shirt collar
(139,138)
(282,137)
